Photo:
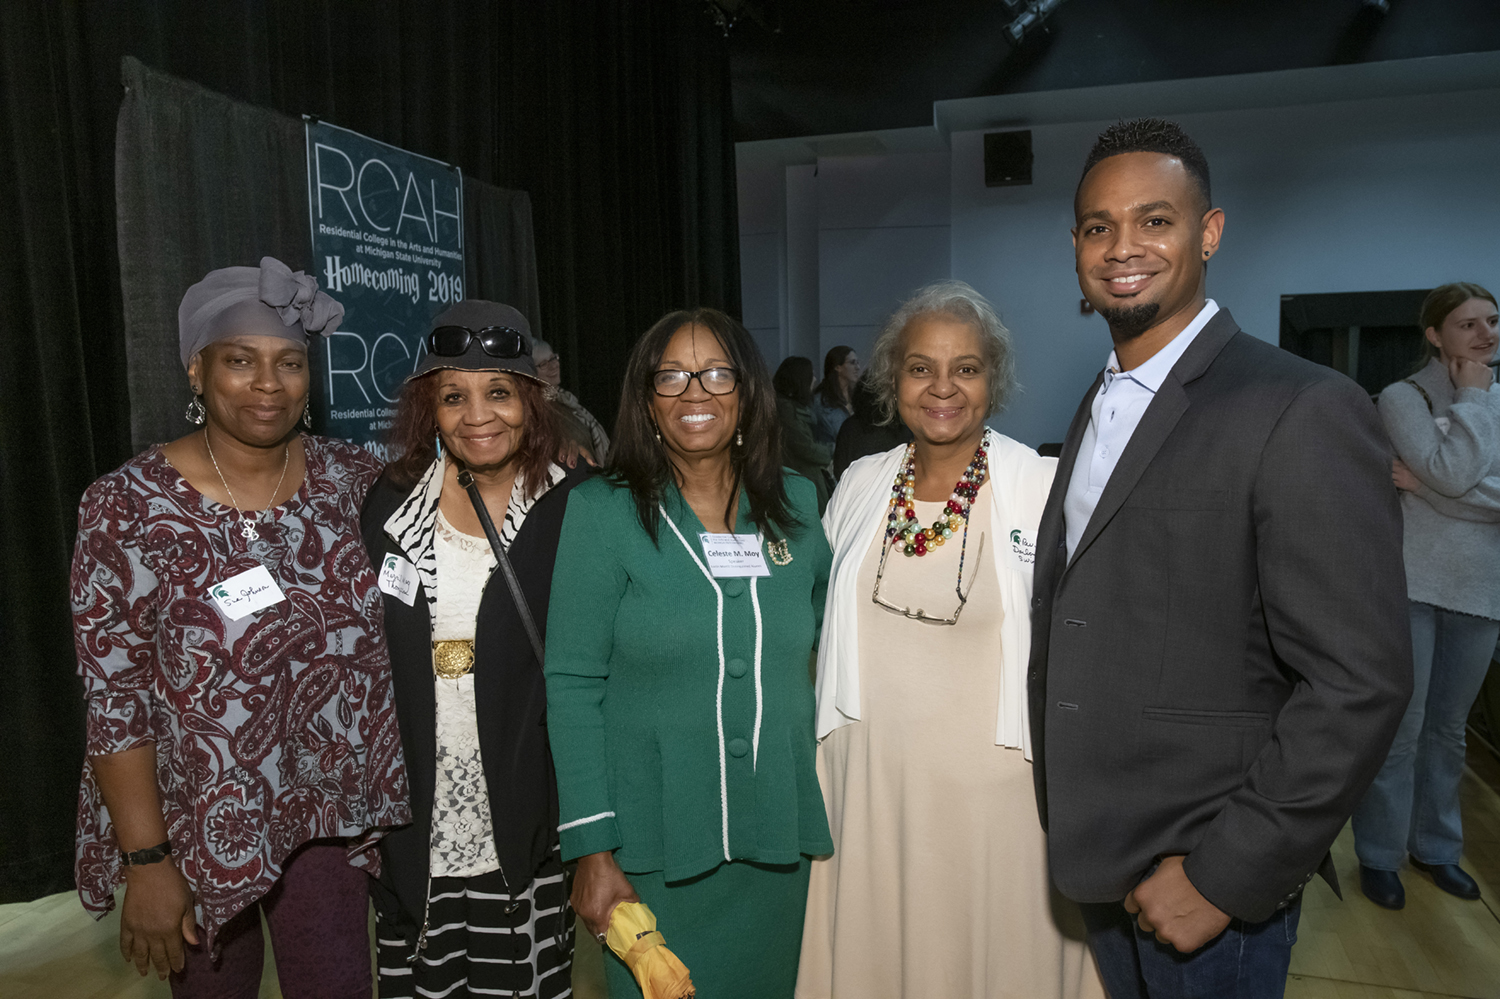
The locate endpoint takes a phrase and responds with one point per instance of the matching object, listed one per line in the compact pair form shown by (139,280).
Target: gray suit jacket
(1220,669)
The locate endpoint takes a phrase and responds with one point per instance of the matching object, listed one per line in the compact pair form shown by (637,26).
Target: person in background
(593,437)
(832,398)
(1445,424)
(866,431)
(800,449)
(241,734)
(678,697)
(472,894)
(937,886)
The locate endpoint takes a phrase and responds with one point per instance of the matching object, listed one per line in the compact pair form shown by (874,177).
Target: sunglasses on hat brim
(496,341)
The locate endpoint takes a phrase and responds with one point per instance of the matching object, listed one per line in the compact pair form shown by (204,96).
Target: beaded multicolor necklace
(901,522)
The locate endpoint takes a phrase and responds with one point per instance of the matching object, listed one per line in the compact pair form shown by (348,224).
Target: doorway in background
(1371,336)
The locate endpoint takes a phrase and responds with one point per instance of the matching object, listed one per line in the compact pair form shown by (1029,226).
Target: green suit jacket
(672,749)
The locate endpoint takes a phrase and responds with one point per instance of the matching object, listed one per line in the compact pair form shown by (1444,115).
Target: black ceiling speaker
(1007,158)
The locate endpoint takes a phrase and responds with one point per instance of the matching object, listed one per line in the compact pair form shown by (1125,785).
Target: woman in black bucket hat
(472,894)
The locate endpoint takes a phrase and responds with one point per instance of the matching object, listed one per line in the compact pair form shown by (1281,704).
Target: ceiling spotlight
(724,13)
(1031,20)
(727,13)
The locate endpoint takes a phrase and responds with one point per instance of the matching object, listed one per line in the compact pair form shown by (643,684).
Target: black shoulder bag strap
(466,479)
(1425,397)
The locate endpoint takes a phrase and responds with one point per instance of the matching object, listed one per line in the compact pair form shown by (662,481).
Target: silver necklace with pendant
(247,526)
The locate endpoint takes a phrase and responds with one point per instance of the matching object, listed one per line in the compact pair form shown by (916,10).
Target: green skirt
(738,929)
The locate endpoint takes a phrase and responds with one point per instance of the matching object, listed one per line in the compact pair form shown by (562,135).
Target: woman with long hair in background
(833,398)
(1444,422)
(801,451)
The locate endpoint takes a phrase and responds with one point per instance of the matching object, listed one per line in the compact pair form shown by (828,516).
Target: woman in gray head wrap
(243,754)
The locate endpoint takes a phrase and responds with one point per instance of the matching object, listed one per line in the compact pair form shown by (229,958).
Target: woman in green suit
(687,597)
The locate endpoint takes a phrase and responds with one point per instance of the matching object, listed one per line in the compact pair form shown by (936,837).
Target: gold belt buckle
(453,658)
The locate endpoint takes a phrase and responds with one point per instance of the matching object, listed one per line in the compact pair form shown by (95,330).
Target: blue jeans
(1413,805)
(1246,961)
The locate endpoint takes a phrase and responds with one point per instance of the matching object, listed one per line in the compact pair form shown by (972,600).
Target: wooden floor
(1436,948)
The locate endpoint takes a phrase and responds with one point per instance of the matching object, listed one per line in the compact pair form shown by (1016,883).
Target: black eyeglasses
(715,381)
(496,341)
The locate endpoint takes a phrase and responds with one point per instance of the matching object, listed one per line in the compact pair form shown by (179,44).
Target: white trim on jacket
(1019,482)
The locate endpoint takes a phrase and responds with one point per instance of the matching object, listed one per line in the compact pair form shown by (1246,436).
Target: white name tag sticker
(398,577)
(734,554)
(1022,549)
(246,593)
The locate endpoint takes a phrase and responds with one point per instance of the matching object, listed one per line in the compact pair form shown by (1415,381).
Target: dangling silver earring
(657,431)
(195,411)
(437,444)
(739,437)
(307,417)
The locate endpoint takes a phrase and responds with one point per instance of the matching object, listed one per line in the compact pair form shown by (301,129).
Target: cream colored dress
(938,885)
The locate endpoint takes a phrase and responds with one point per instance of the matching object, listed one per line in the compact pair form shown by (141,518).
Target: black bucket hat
(498,339)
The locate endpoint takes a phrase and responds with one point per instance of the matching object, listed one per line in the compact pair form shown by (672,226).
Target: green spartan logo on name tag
(219,593)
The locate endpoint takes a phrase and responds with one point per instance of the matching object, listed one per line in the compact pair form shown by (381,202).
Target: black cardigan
(510,702)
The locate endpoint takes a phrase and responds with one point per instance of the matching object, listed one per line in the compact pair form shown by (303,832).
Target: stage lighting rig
(727,13)
(1030,21)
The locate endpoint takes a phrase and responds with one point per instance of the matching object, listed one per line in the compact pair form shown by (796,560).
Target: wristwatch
(151,855)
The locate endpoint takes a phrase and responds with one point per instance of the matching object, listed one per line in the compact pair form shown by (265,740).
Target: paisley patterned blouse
(271,730)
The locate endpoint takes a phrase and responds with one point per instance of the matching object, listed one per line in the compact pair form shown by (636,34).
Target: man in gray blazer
(1220,651)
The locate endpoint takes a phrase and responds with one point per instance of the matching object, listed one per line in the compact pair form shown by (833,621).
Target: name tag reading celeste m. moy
(246,593)
(734,554)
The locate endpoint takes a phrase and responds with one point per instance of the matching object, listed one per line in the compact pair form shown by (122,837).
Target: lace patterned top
(462,831)
(271,730)
(463,841)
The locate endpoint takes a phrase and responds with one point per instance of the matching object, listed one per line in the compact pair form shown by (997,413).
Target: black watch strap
(151,855)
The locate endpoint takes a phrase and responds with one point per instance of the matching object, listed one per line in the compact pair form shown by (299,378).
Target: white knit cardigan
(1019,481)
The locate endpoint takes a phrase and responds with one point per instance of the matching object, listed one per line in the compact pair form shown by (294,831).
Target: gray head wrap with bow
(269,300)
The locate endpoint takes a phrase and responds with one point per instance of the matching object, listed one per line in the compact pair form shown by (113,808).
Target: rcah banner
(387,241)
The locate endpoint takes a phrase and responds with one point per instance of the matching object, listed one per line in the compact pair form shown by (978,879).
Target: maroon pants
(318,913)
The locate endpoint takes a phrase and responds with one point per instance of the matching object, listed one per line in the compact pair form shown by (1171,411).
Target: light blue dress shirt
(1116,412)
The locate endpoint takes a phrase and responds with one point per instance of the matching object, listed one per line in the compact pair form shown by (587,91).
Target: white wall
(762,198)
(883,232)
(829,248)
(1386,194)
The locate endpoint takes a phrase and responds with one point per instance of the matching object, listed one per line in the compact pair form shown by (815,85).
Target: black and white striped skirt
(476,947)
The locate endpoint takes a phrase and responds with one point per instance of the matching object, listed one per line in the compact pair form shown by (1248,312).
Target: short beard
(1130,321)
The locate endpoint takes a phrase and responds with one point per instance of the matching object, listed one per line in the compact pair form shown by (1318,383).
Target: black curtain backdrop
(500,249)
(614,117)
(203,181)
